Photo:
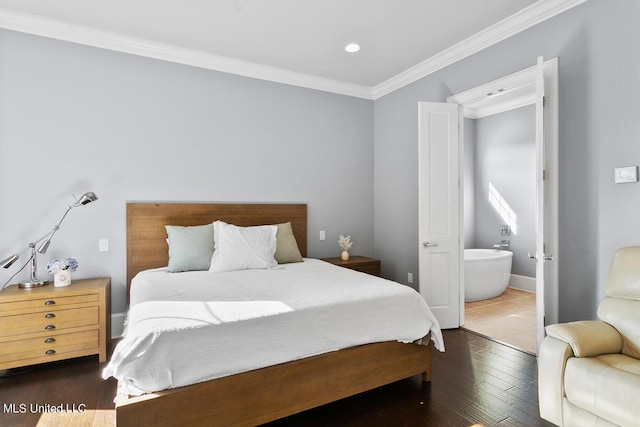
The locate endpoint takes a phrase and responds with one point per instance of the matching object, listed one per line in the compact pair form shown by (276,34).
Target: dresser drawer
(46,303)
(48,345)
(48,321)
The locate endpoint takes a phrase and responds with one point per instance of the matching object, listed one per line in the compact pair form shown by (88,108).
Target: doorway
(509,94)
(499,190)
(536,86)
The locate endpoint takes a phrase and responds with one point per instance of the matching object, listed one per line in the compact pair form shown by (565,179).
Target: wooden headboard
(146,235)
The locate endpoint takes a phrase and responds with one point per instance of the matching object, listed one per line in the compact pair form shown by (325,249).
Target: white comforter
(185,328)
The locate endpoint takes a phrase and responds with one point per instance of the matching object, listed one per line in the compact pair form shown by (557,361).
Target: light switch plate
(103,245)
(626,174)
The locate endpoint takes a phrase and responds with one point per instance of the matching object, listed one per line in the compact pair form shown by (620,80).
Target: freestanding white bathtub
(486,273)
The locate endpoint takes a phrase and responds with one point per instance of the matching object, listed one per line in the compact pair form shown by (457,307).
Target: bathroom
(499,212)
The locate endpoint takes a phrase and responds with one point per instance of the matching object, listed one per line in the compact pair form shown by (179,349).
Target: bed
(240,396)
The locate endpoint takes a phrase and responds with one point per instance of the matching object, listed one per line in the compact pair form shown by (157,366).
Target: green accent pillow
(286,245)
(190,248)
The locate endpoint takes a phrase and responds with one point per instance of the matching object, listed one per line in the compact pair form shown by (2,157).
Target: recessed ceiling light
(352,47)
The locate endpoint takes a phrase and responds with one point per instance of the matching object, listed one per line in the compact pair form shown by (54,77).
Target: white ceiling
(298,42)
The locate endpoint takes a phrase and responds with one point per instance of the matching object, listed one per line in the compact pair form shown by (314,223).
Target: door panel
(439,209)
(541,256)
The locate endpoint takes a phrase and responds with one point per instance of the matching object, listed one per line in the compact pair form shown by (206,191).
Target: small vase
(344,255)
(62,278)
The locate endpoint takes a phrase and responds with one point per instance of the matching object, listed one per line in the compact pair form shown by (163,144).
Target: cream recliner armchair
(589,371)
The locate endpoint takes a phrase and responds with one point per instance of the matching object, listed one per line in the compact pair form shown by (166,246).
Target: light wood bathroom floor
(509,319)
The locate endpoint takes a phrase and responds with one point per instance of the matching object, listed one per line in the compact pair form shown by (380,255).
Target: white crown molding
(51,28)
(519,21)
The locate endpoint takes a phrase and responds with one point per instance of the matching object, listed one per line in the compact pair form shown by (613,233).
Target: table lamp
(41,245)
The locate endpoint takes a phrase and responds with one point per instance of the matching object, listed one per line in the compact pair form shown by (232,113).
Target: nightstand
(46,324)
(359,263)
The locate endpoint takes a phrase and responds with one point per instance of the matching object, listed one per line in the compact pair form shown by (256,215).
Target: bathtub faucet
(504,244)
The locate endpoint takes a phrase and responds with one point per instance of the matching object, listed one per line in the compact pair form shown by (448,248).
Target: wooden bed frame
(254,397)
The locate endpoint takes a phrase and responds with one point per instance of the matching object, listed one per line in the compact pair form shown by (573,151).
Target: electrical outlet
(323,236)
(410,278)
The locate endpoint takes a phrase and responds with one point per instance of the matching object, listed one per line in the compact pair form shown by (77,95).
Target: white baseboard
(522,283)
(117,324)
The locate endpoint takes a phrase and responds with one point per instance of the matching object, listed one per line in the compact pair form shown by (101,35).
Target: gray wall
(76,118)
(505,156)
(599,127)
(469,185)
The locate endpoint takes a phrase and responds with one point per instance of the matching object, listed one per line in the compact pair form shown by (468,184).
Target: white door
(439,226)
(540,256)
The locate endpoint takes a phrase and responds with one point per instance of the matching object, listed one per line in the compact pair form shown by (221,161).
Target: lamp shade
(44,246)
(6,263)
(86,198)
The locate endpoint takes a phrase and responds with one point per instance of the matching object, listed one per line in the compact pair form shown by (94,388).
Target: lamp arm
(47,237)
(29,246)
(57,226)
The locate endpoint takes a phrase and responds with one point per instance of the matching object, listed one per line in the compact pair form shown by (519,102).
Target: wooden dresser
(47,323)
(359,263)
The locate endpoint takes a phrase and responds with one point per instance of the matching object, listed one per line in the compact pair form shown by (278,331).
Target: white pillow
(243,248)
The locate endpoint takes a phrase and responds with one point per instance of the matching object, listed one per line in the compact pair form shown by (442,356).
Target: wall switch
(322,235)
(410,278)
(626,174)
(103,245)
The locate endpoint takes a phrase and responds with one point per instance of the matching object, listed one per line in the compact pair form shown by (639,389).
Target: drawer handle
(49,316)
(50,352)
(49,302)
(49,327)
(50,340)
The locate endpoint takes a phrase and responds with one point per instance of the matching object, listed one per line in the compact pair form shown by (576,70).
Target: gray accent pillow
(190,248)
(286,245)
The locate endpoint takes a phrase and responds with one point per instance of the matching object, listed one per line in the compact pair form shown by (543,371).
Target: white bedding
(189,327)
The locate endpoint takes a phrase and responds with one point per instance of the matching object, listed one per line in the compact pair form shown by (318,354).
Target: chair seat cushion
(607,386)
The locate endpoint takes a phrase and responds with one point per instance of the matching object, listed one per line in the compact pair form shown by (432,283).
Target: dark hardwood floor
(476,382)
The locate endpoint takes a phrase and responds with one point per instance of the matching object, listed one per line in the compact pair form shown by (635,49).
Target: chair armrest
(588,338)
(552,360)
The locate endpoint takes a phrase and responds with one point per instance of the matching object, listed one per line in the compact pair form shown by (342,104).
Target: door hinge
(544,101)
(544,174)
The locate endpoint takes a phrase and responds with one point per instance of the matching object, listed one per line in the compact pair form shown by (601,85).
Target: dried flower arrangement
(345,242)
